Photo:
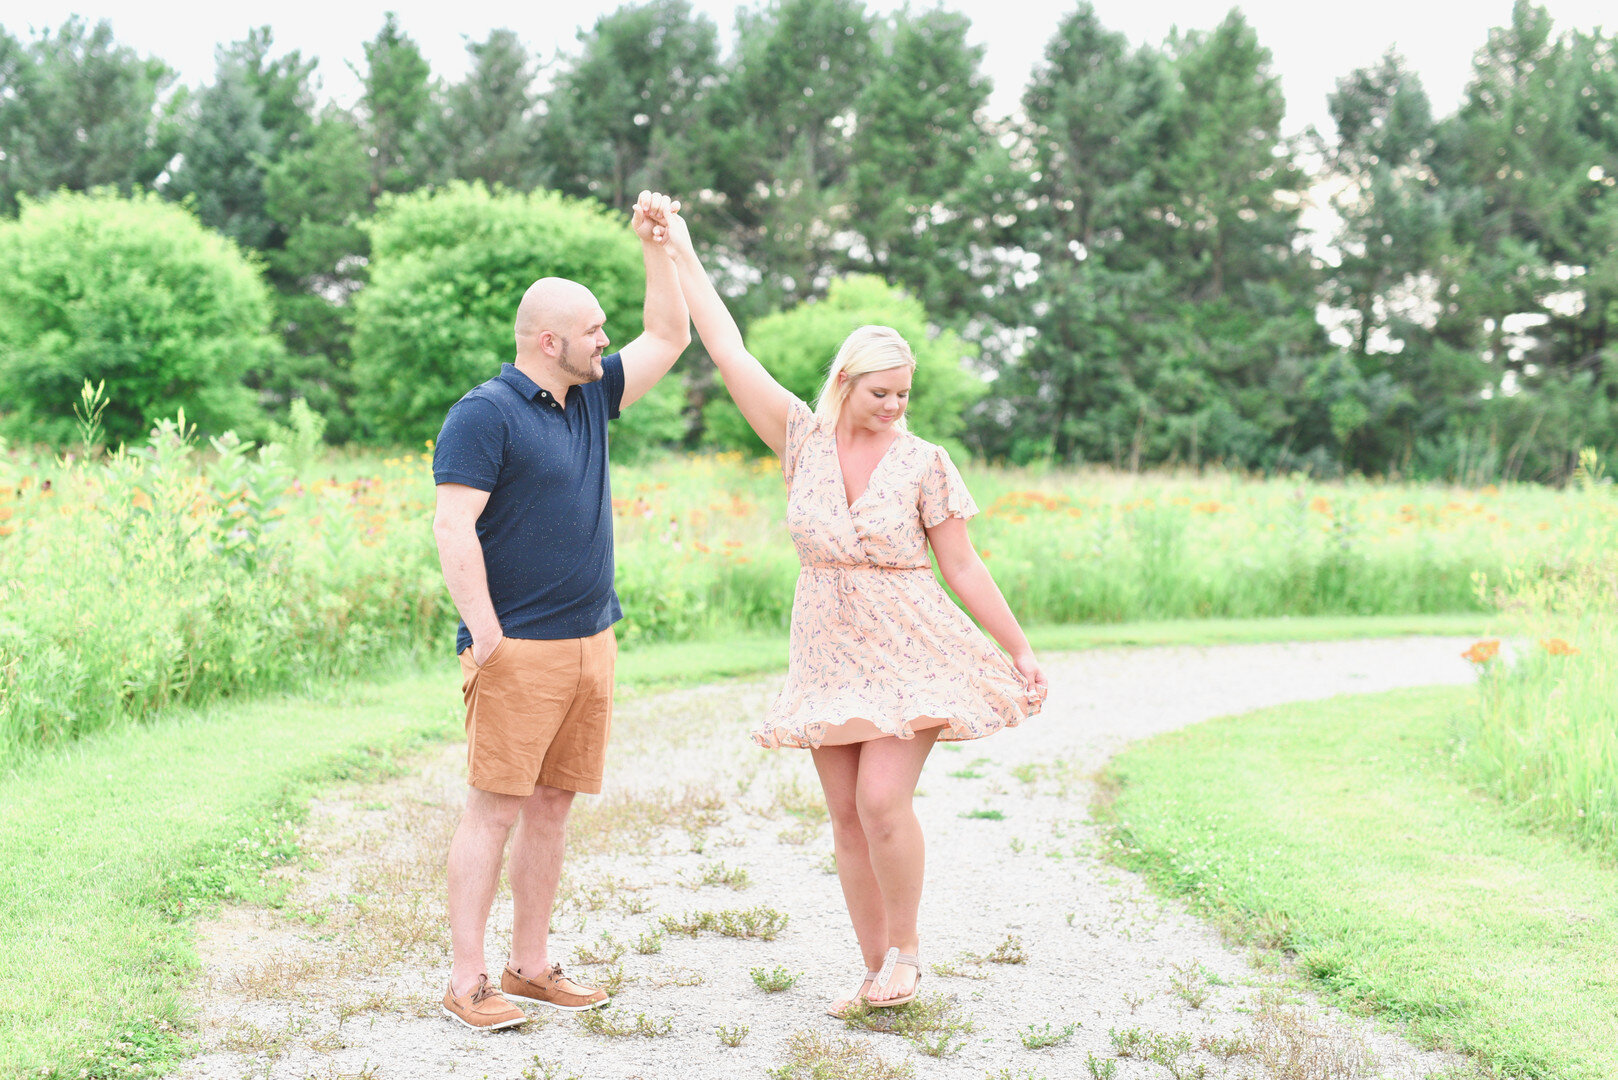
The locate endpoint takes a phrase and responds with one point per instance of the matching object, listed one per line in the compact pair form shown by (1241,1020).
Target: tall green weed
(157,574)
(1545,734)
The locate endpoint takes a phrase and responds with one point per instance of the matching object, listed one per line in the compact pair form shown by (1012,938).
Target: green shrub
(448,268)
(797,347)
(133,291)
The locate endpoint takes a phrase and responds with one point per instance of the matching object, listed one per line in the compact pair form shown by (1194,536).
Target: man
(524,530)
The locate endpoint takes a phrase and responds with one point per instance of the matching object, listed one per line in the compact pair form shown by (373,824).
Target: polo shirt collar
(525,386)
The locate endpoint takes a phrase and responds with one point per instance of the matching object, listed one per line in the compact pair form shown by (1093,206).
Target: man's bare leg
(536,867)
(474,873)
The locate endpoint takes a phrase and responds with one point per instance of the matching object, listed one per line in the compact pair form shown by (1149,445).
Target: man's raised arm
(668,324)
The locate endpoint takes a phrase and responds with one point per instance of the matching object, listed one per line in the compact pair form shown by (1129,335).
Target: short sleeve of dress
(943,492)
(801,423)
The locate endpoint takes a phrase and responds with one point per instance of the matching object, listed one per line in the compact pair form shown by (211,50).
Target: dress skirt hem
(813,734)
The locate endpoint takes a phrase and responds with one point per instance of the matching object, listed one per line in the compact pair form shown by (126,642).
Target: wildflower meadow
(180,570)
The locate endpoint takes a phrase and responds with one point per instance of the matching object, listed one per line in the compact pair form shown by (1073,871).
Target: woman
(882,664)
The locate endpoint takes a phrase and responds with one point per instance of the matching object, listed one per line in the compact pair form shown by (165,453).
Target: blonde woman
(882,664)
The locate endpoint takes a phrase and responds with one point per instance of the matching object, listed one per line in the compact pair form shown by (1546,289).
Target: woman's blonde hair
(866,350)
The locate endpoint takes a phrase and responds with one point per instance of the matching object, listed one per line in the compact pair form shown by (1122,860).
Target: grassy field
(1347,834)
(171,575)
(191,808)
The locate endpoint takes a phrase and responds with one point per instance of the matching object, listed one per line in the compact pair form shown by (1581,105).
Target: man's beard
(587,374)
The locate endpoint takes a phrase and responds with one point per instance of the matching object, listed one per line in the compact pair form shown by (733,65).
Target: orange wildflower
(6,530)
(1483,651)
(984,554)
(1557,647)
(1320,505)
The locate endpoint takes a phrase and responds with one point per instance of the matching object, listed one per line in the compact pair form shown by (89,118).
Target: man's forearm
(461,556)
(665,314)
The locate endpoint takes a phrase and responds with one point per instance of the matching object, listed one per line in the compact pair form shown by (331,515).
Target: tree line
(1122,261)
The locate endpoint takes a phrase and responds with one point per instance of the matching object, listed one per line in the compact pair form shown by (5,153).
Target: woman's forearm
(972,582)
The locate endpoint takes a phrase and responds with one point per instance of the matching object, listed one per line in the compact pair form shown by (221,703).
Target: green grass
(1342,831)
(109,848)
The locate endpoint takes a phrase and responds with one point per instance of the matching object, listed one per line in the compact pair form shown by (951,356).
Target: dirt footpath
(701,887)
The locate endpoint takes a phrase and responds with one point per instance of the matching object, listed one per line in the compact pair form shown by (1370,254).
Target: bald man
(524,530)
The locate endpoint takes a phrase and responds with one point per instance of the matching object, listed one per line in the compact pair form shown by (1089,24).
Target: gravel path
(343,981)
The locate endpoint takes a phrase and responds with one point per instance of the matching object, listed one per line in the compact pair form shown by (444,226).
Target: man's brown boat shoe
(550,988)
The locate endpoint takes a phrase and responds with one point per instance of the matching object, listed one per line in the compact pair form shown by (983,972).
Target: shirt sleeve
(612,381)
(800,423)
(943,492)
(471,445)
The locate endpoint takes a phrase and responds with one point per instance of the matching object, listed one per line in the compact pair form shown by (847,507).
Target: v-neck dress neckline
(837,458)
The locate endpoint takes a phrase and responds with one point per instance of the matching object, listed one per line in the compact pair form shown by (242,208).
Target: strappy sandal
(839,1009)
(889,962)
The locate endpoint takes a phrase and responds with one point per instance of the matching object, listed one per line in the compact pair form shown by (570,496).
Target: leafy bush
(133,291)
(448,270)
(797,347)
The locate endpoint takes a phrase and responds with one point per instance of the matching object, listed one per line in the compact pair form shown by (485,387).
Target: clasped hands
(656,220)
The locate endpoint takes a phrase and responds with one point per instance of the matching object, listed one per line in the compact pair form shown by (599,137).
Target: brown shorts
(539,712)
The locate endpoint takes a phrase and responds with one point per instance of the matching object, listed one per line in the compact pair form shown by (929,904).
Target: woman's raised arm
(764,402)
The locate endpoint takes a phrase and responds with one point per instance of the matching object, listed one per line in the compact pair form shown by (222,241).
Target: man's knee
(491,810)
(547,805)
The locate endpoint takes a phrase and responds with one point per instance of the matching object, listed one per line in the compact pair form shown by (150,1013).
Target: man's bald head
(554,304)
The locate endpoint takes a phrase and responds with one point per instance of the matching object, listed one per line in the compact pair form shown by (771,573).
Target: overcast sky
(1311,48)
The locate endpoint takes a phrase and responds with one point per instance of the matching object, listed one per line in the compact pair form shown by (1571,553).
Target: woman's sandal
(839,1009)
(889,962)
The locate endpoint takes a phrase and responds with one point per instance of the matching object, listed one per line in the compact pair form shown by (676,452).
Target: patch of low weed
(800,800)
(933,1024)
(763,923)
(604,950)
(812,1056)
(540,1069)
(1227,1047)
(1290,1043)
(732,1034)
(983,815)
(1100,1068)
(731,877)
(799,832)
(1009,951)
(634,821)
(649,943)
(1039,1038)
(610,1023)
(774,980)
(1189,984)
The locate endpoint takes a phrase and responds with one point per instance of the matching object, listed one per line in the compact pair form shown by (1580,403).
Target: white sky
(1311,48)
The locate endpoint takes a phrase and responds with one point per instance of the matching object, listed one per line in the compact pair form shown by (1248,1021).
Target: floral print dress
(878,649)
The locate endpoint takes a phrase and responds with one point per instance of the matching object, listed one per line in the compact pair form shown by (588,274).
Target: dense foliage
(134,292)
(448,269)
(1124,258)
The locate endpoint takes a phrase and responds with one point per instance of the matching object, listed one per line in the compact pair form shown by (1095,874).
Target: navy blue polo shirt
(547,529)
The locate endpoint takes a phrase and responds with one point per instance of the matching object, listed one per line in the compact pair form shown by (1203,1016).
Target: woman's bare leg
(839,772)
(884,787)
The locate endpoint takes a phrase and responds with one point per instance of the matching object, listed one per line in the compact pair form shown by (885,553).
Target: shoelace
(483,991)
